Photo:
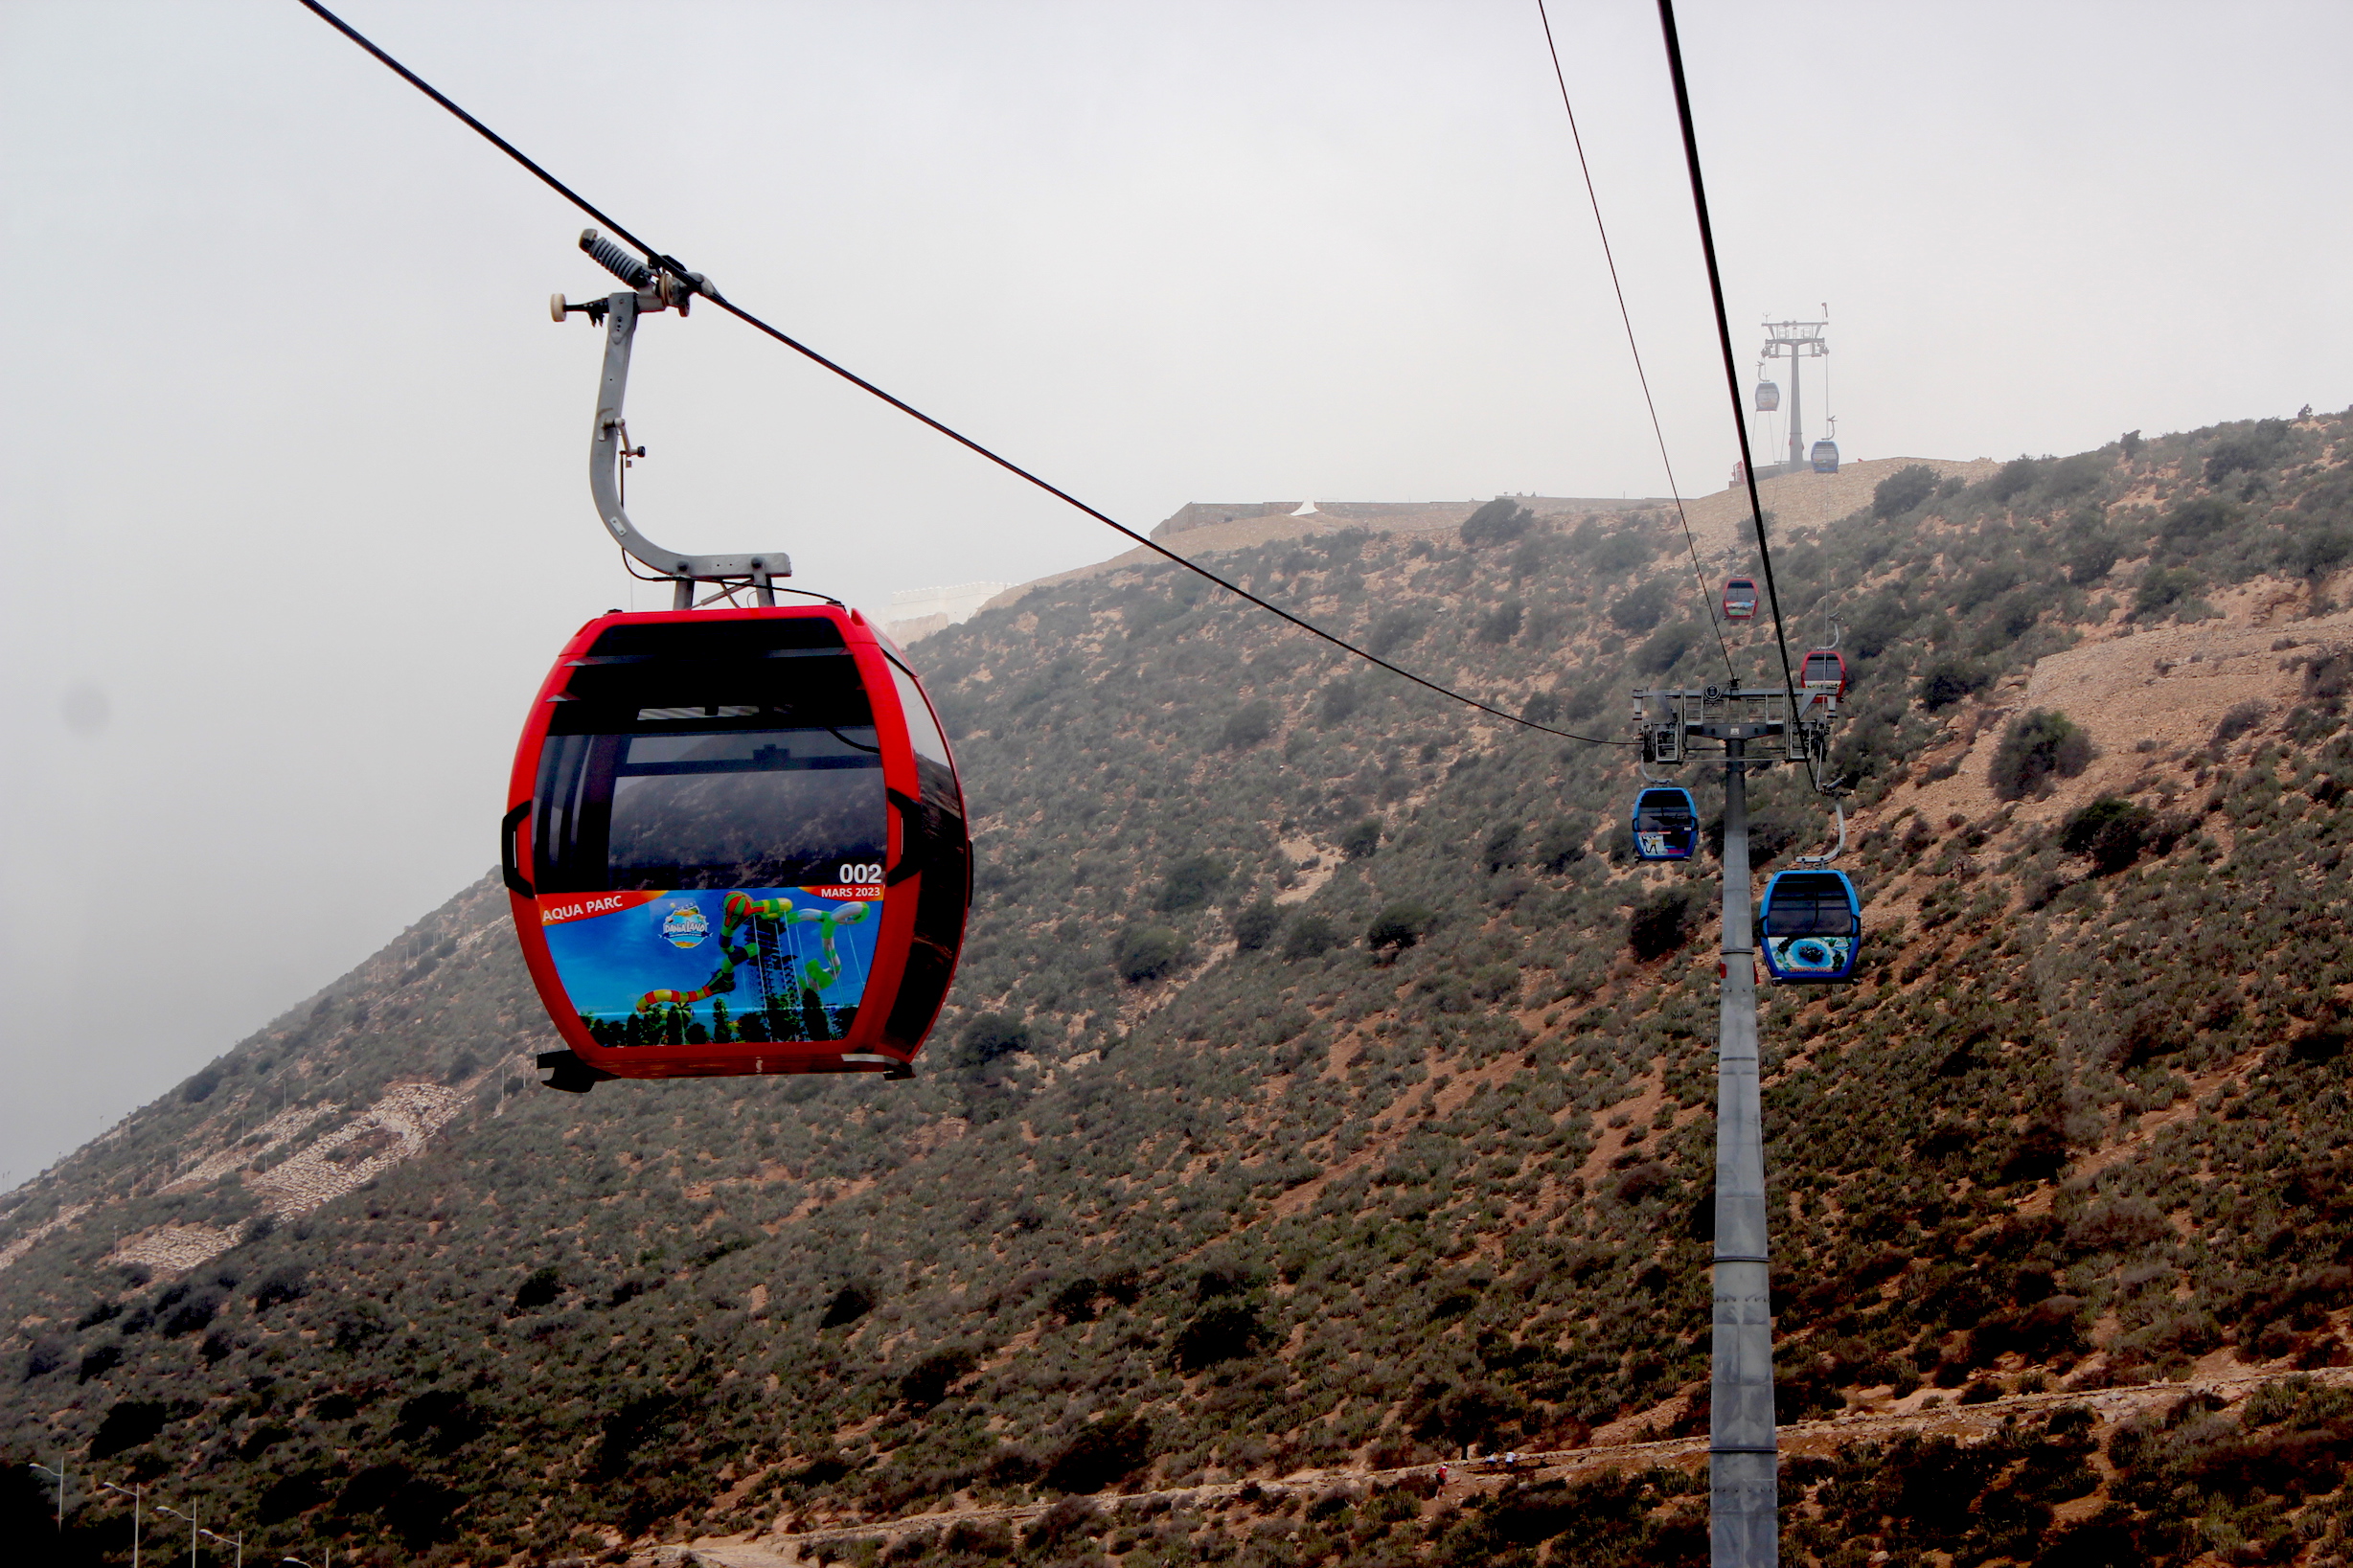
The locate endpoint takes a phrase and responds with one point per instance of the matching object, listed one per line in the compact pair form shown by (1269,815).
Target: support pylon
(1743,1475)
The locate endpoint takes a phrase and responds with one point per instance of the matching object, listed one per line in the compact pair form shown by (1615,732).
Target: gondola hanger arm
(1837,849)
(660,285)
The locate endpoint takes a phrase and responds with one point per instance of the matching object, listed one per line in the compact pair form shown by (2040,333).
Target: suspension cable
(1724,326)
(676,268)
(1658,435)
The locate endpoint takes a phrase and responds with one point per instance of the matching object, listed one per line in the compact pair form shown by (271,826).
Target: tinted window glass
(921,729)
(718,755)
(1809,906)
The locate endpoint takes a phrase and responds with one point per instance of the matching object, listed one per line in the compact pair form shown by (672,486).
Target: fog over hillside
(1327,1091)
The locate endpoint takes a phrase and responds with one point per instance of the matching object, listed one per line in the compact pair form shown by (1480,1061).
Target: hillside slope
(1325,1089)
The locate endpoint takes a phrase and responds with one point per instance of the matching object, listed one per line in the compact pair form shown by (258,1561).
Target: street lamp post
(327,1562)
(133,1492)
(59,1474)
(194,1529)
(237,1541)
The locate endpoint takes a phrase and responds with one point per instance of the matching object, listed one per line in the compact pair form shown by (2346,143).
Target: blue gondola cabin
(1813,925)
(1666,824)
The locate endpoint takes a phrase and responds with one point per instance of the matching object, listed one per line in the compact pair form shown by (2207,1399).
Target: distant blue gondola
(1825,456)
(1813,925)
(1666,824)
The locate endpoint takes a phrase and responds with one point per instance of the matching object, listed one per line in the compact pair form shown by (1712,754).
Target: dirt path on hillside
(781,1547)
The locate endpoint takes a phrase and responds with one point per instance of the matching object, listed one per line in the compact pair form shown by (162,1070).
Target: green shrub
(127,1424)
(1360,839)
(1340,702)
(851,1302)
(1248,724)
(1103,1453)
(1393,630)
(1310,937)
(1500,521)
(2328,679)
(1223,1331)
(2073,476)
(1660,651)
(1561,845)
(2036,747)
(1503,847)
(1190,883)
(2249,453)
(2196,522)
(2314,552)
(2241,717)
(1641,606)
(1504,623)
(991,1035)
(2091,556)
(1947,681)
(541,1286)
(1659,926)
(1399,925)
(285,1283)
(2111,831)
(1146,952)
(2161,588)
(2012,478)
(1255,925)
(1903,490)
(927,1383)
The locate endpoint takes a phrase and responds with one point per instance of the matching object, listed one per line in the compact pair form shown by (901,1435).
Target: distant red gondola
(1824,671)
(735,844)
(1740,600)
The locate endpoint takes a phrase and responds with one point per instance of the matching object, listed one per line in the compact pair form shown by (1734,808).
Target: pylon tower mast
(1748,728)
(1796,341)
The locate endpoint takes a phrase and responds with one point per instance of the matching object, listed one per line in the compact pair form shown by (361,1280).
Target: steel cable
(677,269)
(1691,545)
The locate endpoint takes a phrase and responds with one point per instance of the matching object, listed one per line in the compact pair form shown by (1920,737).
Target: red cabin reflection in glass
(735,844)
(1740,600)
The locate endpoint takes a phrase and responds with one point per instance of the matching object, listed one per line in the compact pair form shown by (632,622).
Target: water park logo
(685,926)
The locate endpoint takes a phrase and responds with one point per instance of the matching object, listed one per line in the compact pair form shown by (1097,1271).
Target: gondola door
(736,845)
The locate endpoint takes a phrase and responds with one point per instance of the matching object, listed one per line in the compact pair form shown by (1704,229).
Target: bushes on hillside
(2161,588)
(1947,681)
(2036,747)
(991,1035)
(1254,925)
(1146,952)
(1248,724)
(1641,606)
(1311,936)
(1660,651)
(2111,831)
(1502,623)
(1391,631)
(1190,883)
(1500,521)
(1360,839)
(1398,926)
(1661,924)
(1902,490)
(1561,845)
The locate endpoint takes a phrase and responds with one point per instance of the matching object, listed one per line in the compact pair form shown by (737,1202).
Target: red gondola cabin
(1823,671)
(735,844)
(1740,600)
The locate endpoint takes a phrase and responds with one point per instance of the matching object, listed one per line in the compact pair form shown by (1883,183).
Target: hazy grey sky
(294,497)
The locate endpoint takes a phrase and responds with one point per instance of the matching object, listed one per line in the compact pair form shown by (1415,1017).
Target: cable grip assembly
(656,285)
